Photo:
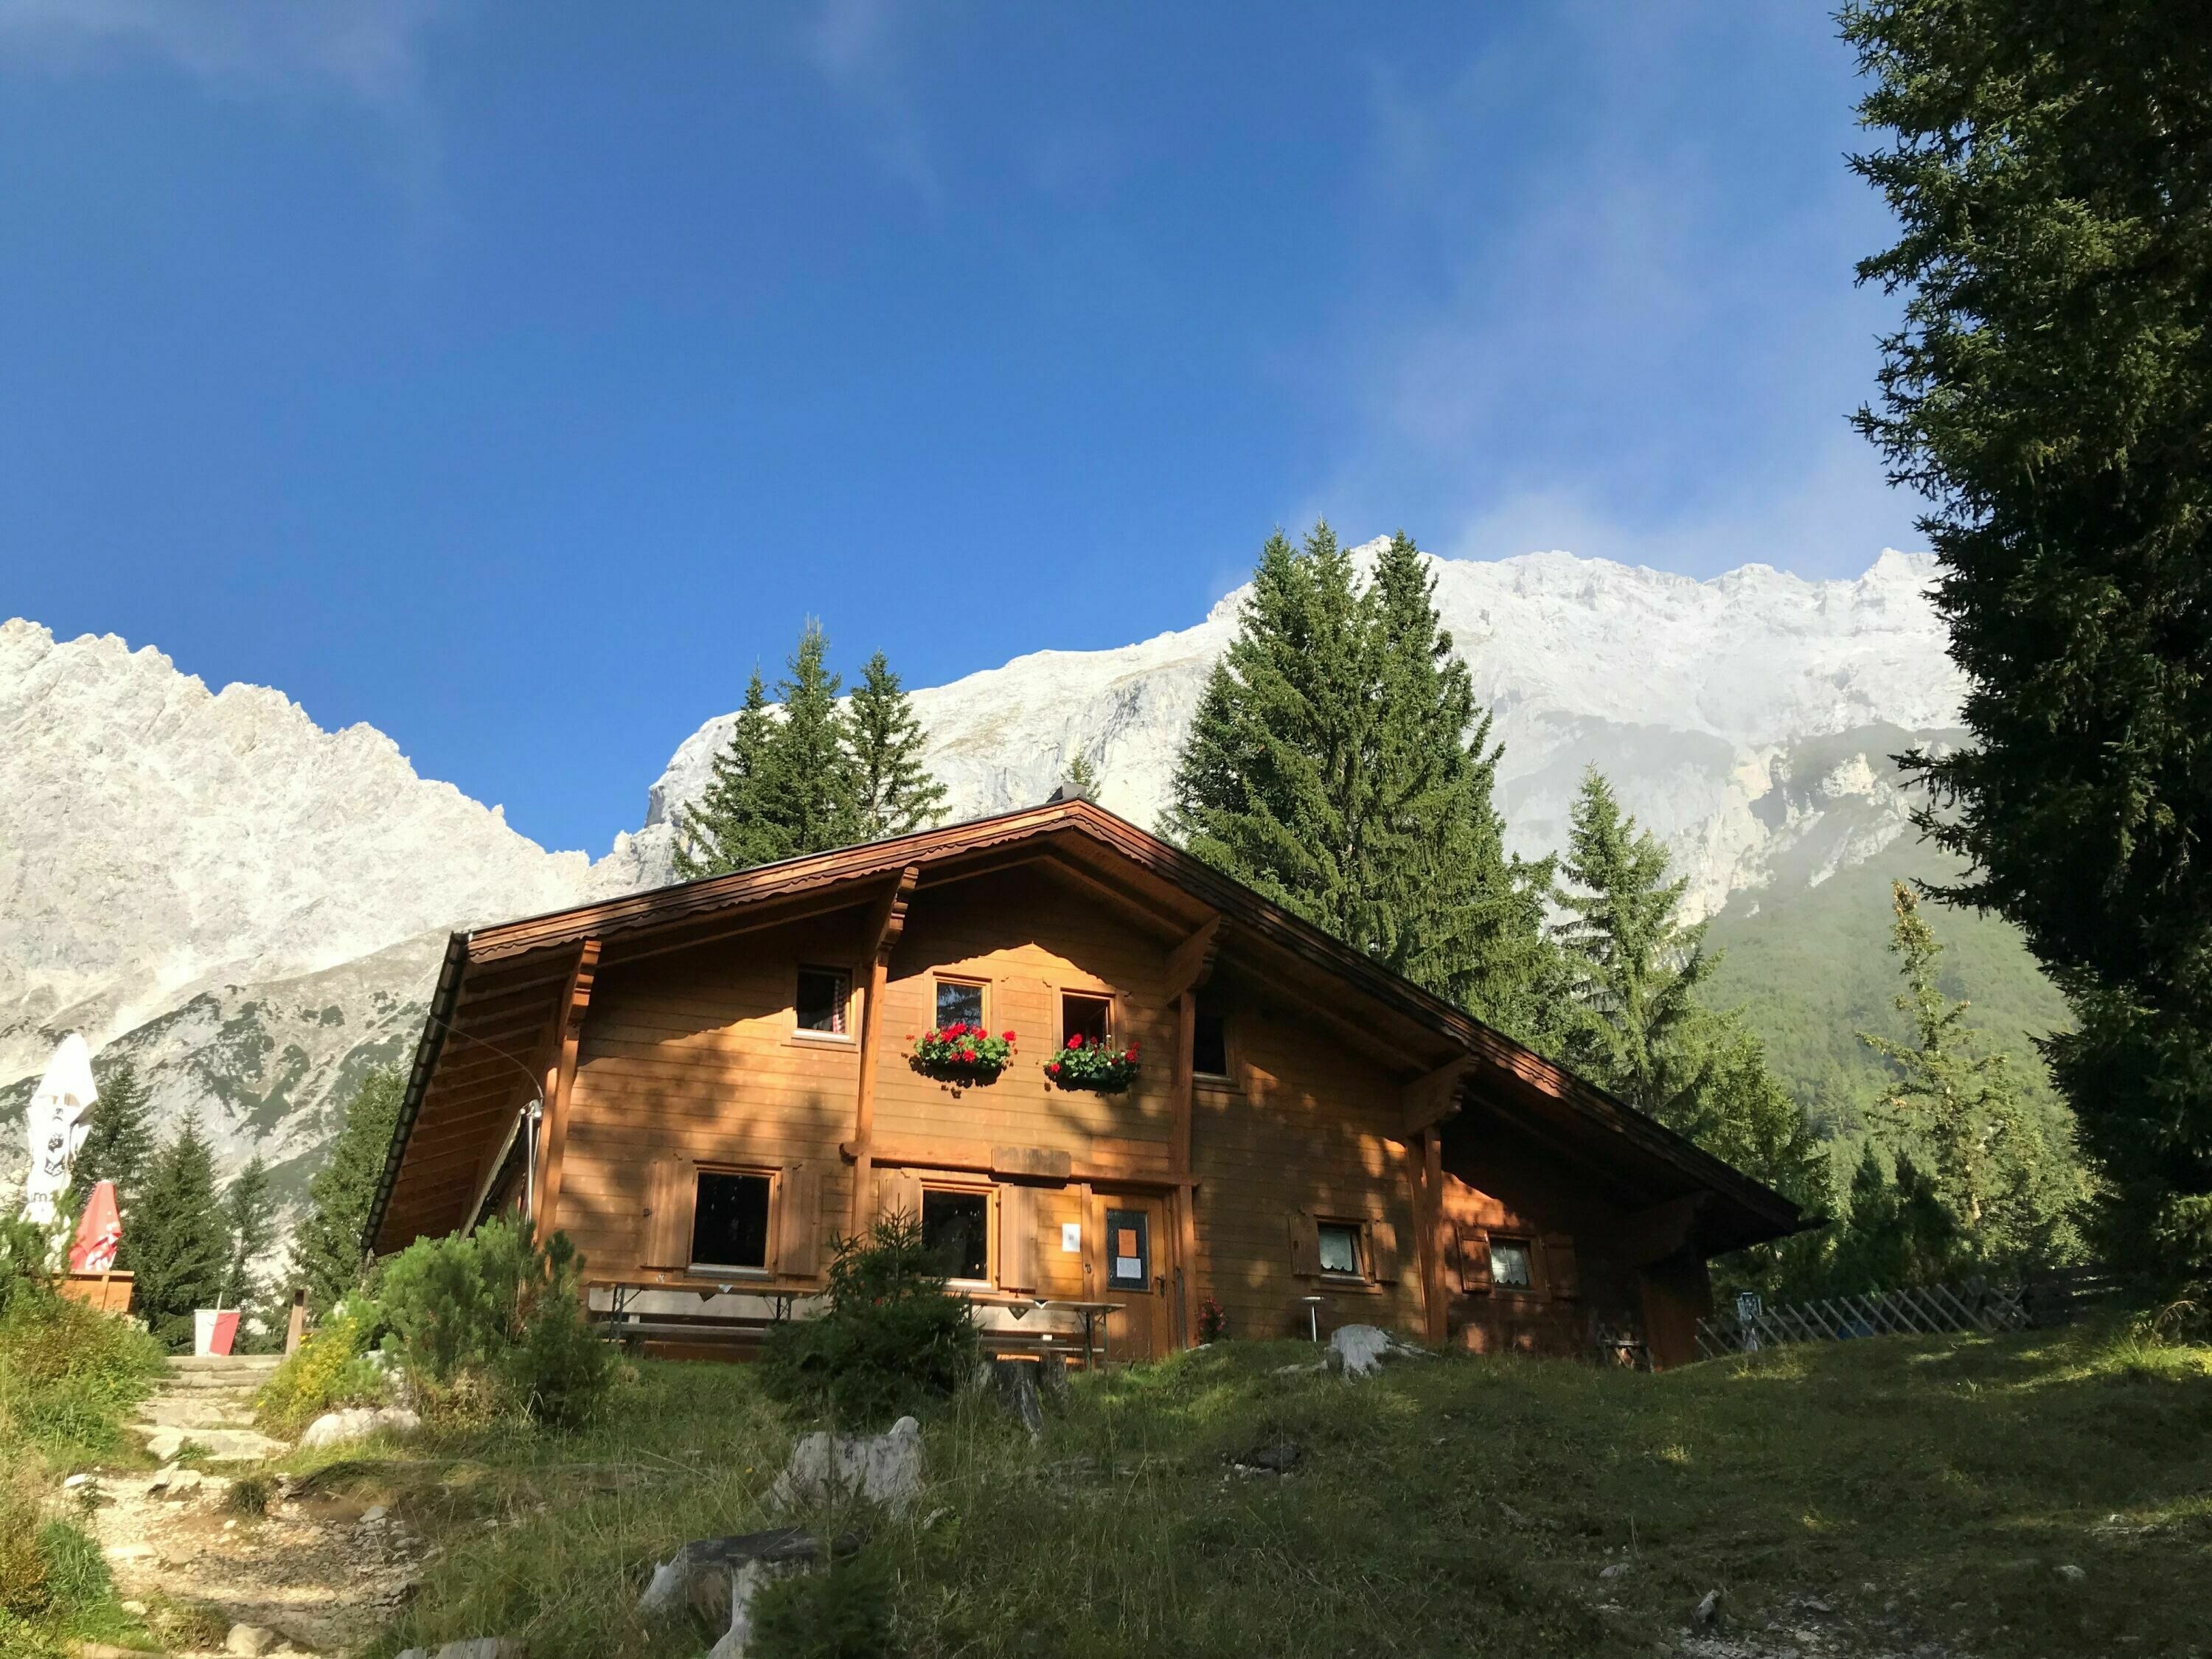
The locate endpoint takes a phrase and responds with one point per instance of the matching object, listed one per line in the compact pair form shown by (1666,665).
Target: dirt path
(323,1573)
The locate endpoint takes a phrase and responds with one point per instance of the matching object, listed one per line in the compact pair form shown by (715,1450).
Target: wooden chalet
(705,1085)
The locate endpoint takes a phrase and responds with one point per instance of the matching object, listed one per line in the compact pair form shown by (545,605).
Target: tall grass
(1451,1506)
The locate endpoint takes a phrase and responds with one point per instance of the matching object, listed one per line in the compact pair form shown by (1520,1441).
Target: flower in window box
(1099,1066)
(961,1053)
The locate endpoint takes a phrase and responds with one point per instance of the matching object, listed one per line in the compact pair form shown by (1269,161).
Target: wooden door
(1136,1269)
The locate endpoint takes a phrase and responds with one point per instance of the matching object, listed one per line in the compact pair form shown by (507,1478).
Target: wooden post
(295,1328)
(1179,1154)
(1433,1266)
(889,922)
(560,1081)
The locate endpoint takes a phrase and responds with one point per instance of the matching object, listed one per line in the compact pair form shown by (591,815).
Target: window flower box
(1100,1067)
(962,1052)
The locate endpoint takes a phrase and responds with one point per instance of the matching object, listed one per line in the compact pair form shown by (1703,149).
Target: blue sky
(514,377)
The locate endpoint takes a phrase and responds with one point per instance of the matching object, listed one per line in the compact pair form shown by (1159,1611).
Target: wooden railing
(1974,1304)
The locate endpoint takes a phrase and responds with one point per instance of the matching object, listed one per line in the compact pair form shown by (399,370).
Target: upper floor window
(1209,1048)
(1089,1017)
(824,996)
(959,1001)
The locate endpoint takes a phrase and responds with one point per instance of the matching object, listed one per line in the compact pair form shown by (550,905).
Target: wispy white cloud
(857,48)
(1633,335)
(366,50)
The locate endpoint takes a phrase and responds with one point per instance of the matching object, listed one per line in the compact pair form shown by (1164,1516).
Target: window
(1339,1248)
(823,996)
(1090,1019)
(729,1223)
(958,1001)
(1209,1048)
(1509,1264)
(955,1230)
(1128,1251)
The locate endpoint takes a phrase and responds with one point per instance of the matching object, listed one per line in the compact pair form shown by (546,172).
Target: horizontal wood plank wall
(693,1053)
(1303,1125)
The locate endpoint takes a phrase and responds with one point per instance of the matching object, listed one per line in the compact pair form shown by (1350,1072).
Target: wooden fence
(1926,1310)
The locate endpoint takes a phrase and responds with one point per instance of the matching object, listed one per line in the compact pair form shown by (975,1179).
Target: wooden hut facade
(705,1085)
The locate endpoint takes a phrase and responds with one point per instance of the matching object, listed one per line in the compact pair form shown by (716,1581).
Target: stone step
(220,1445)
(218,1364)
(195,1411)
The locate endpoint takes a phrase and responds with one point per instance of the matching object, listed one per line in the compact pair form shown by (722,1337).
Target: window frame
(1524,1243)
(849,1036)
(988,1191)
(1363,1251)
(1113,1005)
(938,981)
(697,1269)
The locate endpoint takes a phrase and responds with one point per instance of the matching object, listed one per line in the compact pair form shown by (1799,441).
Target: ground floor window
(729,1220)
(955,1230)
(823,994)
(1509,1267)
(1339,1248)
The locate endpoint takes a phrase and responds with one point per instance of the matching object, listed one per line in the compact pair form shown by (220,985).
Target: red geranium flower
(1009,1035)
(1052,1068)
(1075,1040)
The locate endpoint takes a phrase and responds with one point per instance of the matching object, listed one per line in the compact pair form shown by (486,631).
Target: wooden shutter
(1382,1252)
(799,1220)
(898,1192)
(1474,1260)
(1560,1275)
(1017,1239)
(672,1186)
(1306,1244)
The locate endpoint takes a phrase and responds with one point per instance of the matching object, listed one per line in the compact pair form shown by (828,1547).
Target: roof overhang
(488,1036)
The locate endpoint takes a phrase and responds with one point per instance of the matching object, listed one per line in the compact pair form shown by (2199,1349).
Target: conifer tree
(1635,966)
(1956,1105)
(118,1144)
(249,1212)
(897,792)
(1083,776)
(810,789)
(328,1248)
(1895,1232)
(729,827)
(180,1246)
(1337,766)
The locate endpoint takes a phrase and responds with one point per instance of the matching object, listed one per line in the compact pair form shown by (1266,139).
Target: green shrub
(331,1369)
(27,1261)
(889,1340)
(69,1373)
(495,1305)
(842,1614)
(24,1591)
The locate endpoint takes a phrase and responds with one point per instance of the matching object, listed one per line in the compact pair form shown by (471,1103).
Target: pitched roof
(499,986)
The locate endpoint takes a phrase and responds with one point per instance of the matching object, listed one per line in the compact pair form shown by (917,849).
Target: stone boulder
(358,1423)
(1359,1350)
(826,1469)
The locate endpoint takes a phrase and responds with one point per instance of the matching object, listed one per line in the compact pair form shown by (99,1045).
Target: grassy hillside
(1812,968)
(1875,1495)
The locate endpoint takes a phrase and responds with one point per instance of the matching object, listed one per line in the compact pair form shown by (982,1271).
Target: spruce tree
(1956,1105)
(249,1212)
(1337,765)
(328,1248)
(2048,390)
(1895,1232)
(118,1144)
(729,827)
(897,792)
(1634,965)
(180,1246)
(1083,776)
(809,786)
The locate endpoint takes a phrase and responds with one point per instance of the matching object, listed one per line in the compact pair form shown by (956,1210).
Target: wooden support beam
(1429,1100)
(1651,1236)
(1190,964)
(1179,1142)
(1431,1223)
(886,924)
(561,1078)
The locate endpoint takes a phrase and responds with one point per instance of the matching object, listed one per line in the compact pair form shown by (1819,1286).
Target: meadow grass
(1453,1505)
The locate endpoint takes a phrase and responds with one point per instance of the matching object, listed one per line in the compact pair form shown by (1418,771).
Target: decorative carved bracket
(1428,1101)
(890,914)
(1190,964)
